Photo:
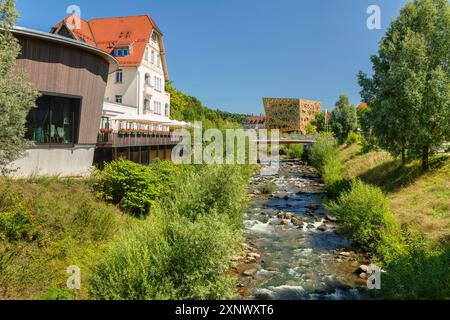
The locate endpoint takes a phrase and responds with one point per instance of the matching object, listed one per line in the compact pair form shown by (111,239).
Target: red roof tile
(110,33)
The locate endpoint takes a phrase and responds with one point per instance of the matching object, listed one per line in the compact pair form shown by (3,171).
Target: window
(125,52)
(54,120)
(166,111)
(154,37)
(119,76)
(158,61)
(153,57)
(157,107)
(147,105)
(146,54)
(118,99)
(148,79)
(105,123)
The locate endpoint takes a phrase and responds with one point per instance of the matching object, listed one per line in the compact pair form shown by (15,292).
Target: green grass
(47,225)
(419,200)
(267,188)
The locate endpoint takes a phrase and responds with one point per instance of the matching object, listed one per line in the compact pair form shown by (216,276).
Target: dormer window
(122,52)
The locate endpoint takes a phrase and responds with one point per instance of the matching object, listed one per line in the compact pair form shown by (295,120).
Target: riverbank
(136,232)
(419,200)
(292,250)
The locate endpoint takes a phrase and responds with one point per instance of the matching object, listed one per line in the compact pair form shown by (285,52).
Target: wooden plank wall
(56,68)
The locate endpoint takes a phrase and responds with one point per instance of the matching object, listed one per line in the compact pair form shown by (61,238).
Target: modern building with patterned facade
(290,114)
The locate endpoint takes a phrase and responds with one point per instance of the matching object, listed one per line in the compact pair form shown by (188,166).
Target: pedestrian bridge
(305,139)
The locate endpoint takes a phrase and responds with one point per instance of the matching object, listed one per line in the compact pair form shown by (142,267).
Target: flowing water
(294,251)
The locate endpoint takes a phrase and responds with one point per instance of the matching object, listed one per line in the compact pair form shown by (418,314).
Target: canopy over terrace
(150,119)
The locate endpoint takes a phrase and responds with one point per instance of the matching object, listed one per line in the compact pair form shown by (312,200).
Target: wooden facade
(62,67)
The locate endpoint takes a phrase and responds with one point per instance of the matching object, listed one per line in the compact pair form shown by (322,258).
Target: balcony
(136,138)
(148,90)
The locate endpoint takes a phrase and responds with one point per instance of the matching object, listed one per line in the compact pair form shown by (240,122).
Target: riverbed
(292,248)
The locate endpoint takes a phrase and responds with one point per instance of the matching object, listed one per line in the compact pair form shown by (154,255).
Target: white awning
(178,124)
(141,118)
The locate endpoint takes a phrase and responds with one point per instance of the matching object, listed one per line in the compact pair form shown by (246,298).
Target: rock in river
(250,272)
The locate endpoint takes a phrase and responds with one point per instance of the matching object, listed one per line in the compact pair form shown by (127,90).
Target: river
(292,248)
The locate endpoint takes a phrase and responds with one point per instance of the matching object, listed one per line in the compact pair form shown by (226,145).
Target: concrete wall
(64,162)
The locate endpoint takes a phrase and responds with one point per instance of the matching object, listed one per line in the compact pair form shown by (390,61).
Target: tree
(319,122)
(409,91)
(343,118)
(16,95)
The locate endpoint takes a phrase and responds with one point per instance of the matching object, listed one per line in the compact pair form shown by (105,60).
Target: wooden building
(71,77)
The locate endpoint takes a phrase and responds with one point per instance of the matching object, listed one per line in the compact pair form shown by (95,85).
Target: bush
(294,151)
(419,274)
(16,221)
(182,250)
(322,148)
(352,138)
(332,172)
(365,218)
(267,188)
(134,187)
(168,257)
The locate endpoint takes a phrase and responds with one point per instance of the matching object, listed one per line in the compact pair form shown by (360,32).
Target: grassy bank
(47,225)
(137,232)
(397,213)
(418,199)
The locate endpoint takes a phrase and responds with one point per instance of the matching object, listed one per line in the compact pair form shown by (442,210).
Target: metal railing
(117,140)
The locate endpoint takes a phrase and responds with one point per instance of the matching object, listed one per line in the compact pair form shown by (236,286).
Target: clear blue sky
(231,53)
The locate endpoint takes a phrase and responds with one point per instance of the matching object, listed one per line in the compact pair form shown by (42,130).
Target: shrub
(419,274)
(133,186)
(267,188)
(332,172)
(16,221)
(182,250)
(323,147)
(54,293)
(352,138)
(295,151)
(221,188)
(365,217)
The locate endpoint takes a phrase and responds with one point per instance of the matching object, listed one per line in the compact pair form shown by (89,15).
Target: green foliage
(343,118)
(16,221)
(319,123)
(54,293)
(188,108)
(49,225)
(16,95)
(365,217)
(420,274)
(294,151)
(182,250)
(409,92)
(135,187)
(323,147)
(352,138)
(332,173)
(267,187)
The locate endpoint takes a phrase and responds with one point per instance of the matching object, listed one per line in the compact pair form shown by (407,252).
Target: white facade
(140,90)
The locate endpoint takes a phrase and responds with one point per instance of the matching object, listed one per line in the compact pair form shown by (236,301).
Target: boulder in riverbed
(250,272)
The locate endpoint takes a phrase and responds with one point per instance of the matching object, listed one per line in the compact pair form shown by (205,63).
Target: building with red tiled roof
(135,96)
(255,122)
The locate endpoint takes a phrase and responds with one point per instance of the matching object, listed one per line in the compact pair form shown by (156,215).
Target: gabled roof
(110,33)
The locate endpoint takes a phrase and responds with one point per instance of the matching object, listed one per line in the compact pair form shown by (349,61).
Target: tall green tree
(17,96)
(319,122)
(409,91)
(343,118)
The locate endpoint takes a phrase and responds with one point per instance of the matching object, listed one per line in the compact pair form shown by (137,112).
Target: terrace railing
(135,139)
